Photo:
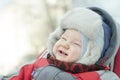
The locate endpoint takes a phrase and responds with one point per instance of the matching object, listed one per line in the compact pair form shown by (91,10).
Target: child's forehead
(72,33)
(71,30)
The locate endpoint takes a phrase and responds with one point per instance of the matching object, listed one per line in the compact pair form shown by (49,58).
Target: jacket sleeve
(23,74)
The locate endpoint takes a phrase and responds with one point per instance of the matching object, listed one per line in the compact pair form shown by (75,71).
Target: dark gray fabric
(51,73)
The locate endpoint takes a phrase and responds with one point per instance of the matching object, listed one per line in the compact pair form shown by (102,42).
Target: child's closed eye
(76,44)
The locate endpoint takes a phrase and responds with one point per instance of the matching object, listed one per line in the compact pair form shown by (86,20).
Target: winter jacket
(41,70)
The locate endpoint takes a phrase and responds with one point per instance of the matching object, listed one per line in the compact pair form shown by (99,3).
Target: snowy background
(25,25)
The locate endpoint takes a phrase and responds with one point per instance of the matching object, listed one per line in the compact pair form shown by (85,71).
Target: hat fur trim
(83,20)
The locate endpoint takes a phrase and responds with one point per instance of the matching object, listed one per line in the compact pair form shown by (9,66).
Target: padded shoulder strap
(52,73)
(41,60)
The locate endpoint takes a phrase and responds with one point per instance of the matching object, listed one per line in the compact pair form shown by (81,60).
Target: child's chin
(61,59)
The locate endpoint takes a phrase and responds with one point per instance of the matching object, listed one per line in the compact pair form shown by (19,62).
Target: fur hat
(89,24)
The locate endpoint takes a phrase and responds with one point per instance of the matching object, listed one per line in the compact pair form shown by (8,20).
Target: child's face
(68,47)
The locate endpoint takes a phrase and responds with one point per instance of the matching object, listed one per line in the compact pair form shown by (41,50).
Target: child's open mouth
(62,52)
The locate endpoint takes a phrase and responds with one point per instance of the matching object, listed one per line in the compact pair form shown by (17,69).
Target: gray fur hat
(89,24)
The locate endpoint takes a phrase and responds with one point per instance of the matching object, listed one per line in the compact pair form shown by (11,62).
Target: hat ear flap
(92,54)
(53,38)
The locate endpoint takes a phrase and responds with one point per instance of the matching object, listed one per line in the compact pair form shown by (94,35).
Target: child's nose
(66,45)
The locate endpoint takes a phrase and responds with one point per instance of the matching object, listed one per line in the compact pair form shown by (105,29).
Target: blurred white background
(24,28)
(26,24)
